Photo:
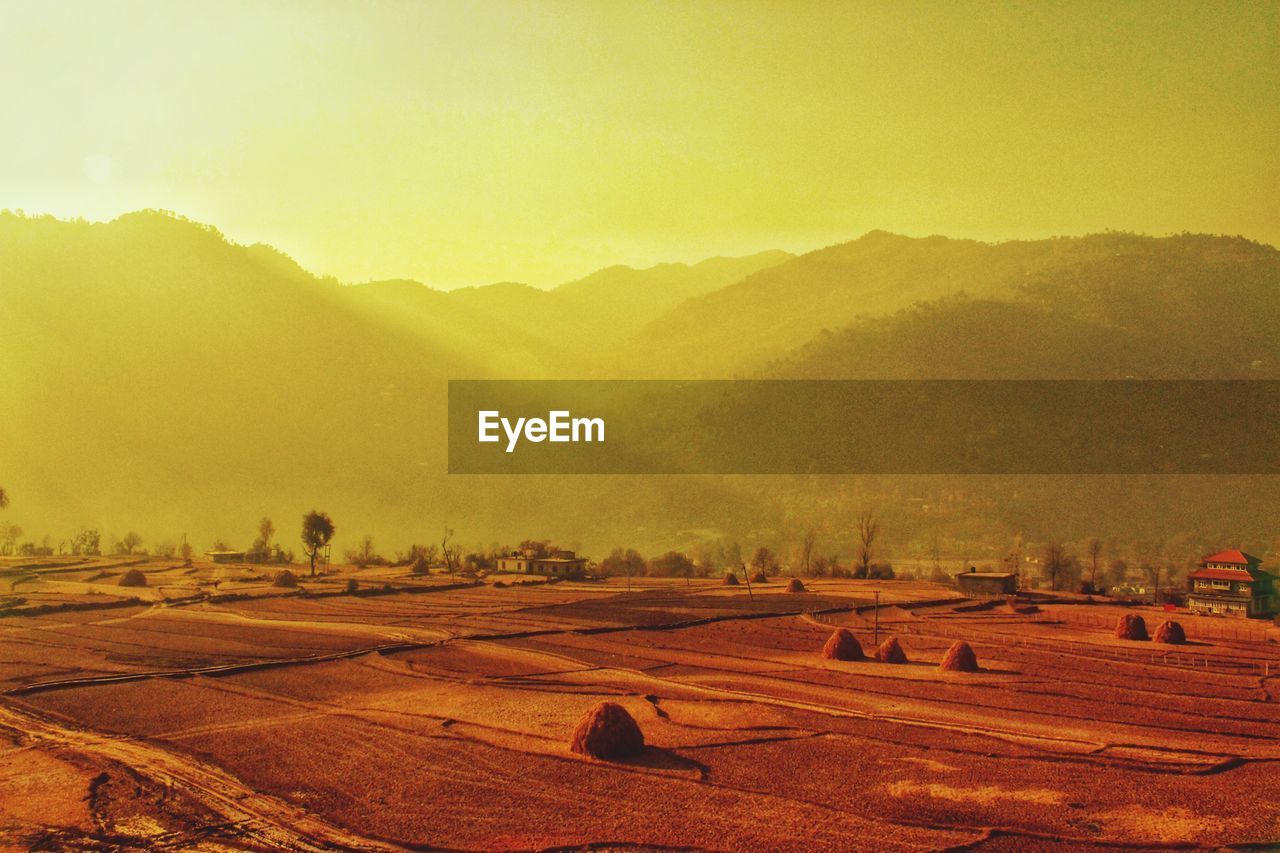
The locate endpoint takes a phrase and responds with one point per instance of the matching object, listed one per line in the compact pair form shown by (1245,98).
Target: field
(436,712)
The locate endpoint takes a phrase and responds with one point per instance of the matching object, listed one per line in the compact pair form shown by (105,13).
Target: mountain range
(156,376)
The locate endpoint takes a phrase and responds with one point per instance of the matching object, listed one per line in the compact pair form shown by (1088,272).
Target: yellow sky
(463,143)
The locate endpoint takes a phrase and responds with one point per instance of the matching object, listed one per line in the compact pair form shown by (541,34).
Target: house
(225,556)
(560,564)
(975,584)
(1230,583)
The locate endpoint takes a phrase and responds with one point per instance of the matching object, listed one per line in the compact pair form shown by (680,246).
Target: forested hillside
(156,377)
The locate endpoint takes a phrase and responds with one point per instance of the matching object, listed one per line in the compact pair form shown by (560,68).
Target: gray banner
(864,427)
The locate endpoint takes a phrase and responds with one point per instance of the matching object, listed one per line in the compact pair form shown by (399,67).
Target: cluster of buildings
(1228,583)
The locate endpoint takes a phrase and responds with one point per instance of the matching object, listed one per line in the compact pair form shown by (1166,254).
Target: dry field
(437,715)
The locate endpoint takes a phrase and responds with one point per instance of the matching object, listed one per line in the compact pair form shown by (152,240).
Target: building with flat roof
(560,564)
(975,584)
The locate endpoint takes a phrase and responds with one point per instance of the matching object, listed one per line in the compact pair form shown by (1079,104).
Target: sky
(472,142)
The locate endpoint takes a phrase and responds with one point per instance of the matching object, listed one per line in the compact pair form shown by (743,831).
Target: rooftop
(1234,556)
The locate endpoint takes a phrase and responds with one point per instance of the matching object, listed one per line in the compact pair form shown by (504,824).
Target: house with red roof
(1231,584)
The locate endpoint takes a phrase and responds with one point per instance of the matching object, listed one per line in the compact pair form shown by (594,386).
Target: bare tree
(1058,564)
(806,551)
(449,551)
(365,554)
(1094,549)
(9,535)
(764,561)
(868,530)
(130,541)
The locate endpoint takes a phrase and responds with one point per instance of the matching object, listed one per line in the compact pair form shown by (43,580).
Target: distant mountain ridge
(739,329)
(156,376)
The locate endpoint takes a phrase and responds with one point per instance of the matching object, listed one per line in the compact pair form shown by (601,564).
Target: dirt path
(255,817)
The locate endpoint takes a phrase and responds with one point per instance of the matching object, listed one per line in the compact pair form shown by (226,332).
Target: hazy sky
(470,142)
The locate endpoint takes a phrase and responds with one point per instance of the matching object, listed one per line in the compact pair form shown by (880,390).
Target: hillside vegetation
(157,377)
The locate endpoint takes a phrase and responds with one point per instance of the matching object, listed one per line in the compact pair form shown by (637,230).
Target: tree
(868,530)
(1094,550)
(764,561)
(88,543)
(365,554)
(619,562)
(672,564)
(317,530)
(449,551)
(1058,565)
(130,541)
(261,550)
(1117,572)
(9,534)
(806,551)
(4,498)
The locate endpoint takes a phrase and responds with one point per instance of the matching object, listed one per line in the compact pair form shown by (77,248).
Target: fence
(1196,627)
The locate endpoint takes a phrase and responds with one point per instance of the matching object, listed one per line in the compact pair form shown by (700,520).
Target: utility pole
(876,635)
(750,595)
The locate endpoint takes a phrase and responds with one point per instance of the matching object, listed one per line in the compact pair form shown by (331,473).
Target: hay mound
(890,651)
(607,731)
(959,658)
(730,579)
(133,577)
(842,645)
(1170,632)
(759,577)
(794,585)
(1131,627)
(286,579)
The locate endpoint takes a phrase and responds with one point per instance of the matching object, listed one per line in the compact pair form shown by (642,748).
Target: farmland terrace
(435,713)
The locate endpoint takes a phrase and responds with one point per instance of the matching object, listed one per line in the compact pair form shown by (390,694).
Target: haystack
(730,579)
(759,577)
(890,651)
(607,731)
(1131,627)
(1170,632)
(794,585)
(959,658)
(133,577)
(842,645)
(286,579)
